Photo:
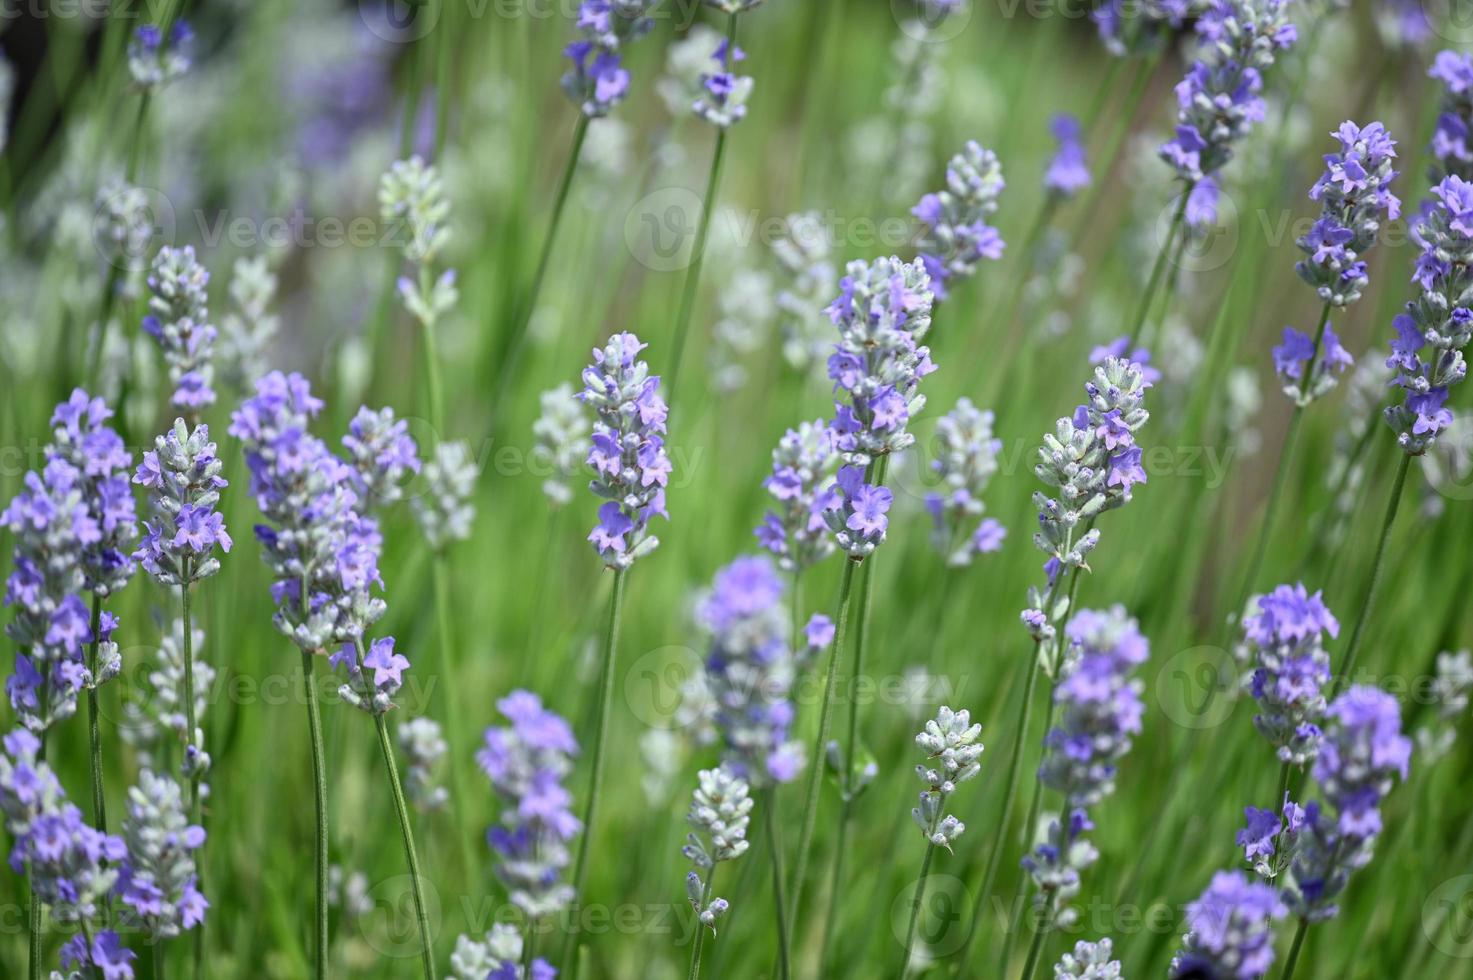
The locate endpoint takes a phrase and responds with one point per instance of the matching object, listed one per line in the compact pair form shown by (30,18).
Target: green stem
(94,724)
(319,788)
(695,950)
(432,363)
(158,960)
(427,951)
(915,909)
(1143,309)
(1035,807)
(600,744)
(774,845)
(1377,567)
(825,719)
(1035,950)
(442,77)
(1284,772)
(1293,959)
(197,942)
(448,677)
(698,253)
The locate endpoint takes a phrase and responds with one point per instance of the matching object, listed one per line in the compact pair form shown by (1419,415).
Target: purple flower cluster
(66,859)
(182,476)
(382,453)
(1099,709)
(81,437)
(1363,754)
(596,80)
(322,551)
(1291,669)
(1269,839)
(955,235)
(1068,171)
(628,457)
(1438,320)
(1297,355)
(724,94)
(153,63)
(1130,28)
(178,319)
(374,677)
(1218,101)
(966,459)
(1355,198)
(750,670)
(1231,933)
(882,312)
(858,513)
(158,882)
(1452,146)
(802,485)
(527,764)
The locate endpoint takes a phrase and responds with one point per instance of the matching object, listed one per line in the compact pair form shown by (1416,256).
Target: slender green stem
(432,362)
(94,724)
(836,884)
(442,76)
(1035,951)
(319,789)
(825,719)
(1284,773)
(514,344)
(698,252)
(450,685)
(780,905)
(1143,309)
(915,910)
(33,933)
(1293,959)
(192,737)
(1352,649)
(427,950)
(158,960)
(1030,822)
(600,744)
(695,949)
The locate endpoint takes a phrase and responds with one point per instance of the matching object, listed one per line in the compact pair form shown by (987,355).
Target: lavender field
(645,489)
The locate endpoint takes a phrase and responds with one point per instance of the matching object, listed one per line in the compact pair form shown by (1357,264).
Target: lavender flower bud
(857,514)
(527,764)
(159,722)
(425,748)
(596,80)
(1450,690)
(953,755)
(966,459)
(750,671)
(444,512)
(1355,197)
(561,432)
(124,226)
(686,61)
(1291,669)
(720,810)
(381,452)
(179,320)
(1439,319)
(722,101)
(1131,29)
(628,451)
(802,485)
(411,197)
(182,476)
(1450,141)
(1232,930)
(802,249)
(498,955)
(955,236)
(1268,841)
(1068,171)
(373,693)
(1089,961)
(1293,356)
(882,312)
(84,441)
(1219,98)
(153,63)
(157,882)
(248,330)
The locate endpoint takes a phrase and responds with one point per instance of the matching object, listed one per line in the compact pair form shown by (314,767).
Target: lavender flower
(802,485)
(425,749)
(1093,461)
(496,957)
(158,883)
(249,328)
(412,199)
(1068,171)
(1269,839)
(950,743)
(1121,347)
(561,432)
(1129,29)
(1099,709)
(597,81)
(182,476)
(527,764)
(1232,930)
(382,453)
(1089,961)
(179,320)
(374,676)
(106,955)
(81,437)
(955,235)
(1363,753)
(628,452)
(444,511)
(1286,636)
(153,723)
(122,229)
(1439,320)
(67,860)
(1293,356)
(1218,101)
(1355,198)
(153,63)
(723,98)
(858,513)
(52,527)
(720,810)
(1450,141)
(966,459)
(803,251)
(1450,689)
(750,671)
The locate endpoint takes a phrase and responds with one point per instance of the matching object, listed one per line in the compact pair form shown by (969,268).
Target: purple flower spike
(802,487)
(182,476)
(596,80)
(1231,930)
(1068,171)
(955,236)
(1291,669)
(1354,193)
